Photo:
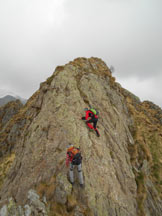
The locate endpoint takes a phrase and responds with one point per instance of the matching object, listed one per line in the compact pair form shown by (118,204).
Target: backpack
(77,159)
(75,154)
(95,112)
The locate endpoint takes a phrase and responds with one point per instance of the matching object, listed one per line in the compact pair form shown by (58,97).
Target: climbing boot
(82,186)
(97,133)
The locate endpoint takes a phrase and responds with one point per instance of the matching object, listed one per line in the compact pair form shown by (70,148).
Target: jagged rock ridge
(8,98)
(112,165)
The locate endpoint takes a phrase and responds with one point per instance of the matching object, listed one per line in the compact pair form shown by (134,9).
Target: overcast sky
(38,35)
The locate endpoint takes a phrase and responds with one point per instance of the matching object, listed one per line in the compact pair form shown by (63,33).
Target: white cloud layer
(38,35)
(145,89)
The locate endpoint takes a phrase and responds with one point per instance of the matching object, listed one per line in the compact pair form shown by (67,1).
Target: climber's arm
(87,115)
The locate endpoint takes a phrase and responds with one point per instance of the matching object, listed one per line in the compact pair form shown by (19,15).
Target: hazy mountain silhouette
(4,100)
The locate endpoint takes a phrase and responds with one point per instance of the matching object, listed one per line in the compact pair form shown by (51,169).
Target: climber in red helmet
(91,117)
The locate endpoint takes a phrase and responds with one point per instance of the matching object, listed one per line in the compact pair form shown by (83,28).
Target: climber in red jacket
(91,117)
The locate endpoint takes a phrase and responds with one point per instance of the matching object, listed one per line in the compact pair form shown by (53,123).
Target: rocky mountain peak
(114,165)
(7,96)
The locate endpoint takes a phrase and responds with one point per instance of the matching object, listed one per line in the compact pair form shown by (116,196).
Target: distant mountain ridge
(8,111)
(7,98)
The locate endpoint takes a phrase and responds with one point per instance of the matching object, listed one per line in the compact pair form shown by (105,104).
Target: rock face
(7,112)
(37,181)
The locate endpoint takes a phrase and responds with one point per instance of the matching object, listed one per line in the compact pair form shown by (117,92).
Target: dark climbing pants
(92,120)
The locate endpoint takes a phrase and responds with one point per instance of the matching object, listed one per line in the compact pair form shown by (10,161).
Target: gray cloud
(38,35)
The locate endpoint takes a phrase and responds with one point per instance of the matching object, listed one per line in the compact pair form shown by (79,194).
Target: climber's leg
(97,132)
(71,173)
(80,174)
(89,125)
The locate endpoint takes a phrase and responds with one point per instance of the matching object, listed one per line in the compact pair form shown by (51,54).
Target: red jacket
(90,114)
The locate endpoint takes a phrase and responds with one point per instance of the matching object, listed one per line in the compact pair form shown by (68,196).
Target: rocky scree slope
(36,182)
